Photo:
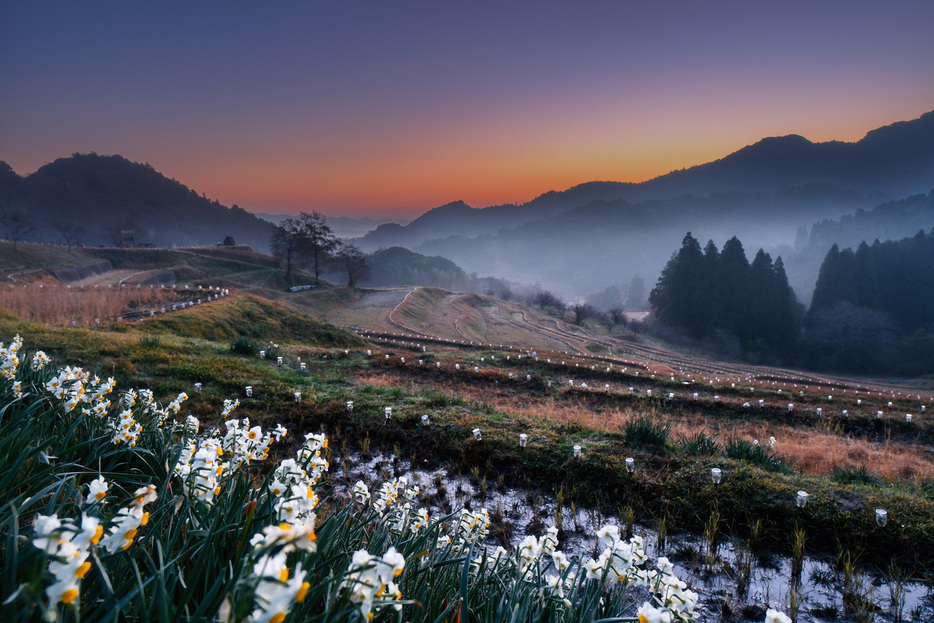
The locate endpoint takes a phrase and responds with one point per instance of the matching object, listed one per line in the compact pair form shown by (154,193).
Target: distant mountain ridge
(889,162)
(106,193)
(343,226)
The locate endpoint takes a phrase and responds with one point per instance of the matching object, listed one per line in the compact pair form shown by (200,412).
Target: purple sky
(391,108)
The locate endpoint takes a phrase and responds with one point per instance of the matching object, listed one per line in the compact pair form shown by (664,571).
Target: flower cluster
(670,592)
(371,580)
(68,387)
(126,428)
(472,527)
(74,387)
(275,587)
(9,358)
(388,493)
(619,560)
(531,550)
(229,406)
(198,466)
(128,521)
(244,443)
(200,463)
(96,392)
(294,480)
(69,542)
(39,360)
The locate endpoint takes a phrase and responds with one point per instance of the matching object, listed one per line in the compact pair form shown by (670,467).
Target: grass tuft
(644,431)
(762,456)
(855,475)
(699,444)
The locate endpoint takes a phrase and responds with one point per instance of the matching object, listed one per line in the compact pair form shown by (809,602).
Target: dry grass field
(60,305)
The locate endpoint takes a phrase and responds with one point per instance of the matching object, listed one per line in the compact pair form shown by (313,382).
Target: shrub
(243,345)
(644,431)
(762,456)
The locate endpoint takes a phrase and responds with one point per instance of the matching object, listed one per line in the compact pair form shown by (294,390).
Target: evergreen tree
(866,283)
(731,290)
(710,291)
(835,281)
(787,316)
(673,297)
(762,306)
(704,302)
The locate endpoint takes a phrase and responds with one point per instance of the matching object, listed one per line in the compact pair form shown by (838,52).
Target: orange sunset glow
(343,113)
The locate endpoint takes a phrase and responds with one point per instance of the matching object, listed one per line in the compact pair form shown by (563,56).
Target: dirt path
(389,299)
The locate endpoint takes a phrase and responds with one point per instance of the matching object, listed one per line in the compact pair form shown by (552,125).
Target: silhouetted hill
(815,180)
(343,226)
(103,194)
(398,266)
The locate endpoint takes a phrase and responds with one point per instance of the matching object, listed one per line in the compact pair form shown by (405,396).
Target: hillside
(891,220)
(538,438)
(790,171)
(103,195)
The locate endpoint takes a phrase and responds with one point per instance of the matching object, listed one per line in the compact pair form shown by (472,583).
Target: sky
(390,108)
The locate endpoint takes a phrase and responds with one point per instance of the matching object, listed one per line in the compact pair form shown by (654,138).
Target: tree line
(711,292)
(307,240)
(872,311)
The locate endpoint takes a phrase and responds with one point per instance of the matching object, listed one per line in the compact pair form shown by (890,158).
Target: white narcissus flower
(775,616)
(97,490)
(561,561)
(391,565)
(39,360)
(650,614)
(595,568)
(608,535)
(277,487)
(47,531)
(90,532)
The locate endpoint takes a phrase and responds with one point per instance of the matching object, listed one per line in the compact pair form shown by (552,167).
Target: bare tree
(547,299)
(352,261)
(70,232)
(287,242)
(16,226)
(582,311)
(318,241)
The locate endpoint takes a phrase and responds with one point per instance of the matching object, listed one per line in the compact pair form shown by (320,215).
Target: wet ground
(735,584)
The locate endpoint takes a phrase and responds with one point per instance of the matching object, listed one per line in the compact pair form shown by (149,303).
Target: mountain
(580,240)
(818,180)
(102,195)
(342,226)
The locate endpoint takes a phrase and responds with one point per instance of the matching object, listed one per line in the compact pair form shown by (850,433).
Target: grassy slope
(171,354)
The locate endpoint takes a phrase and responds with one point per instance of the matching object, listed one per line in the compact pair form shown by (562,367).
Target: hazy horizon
(389,111)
